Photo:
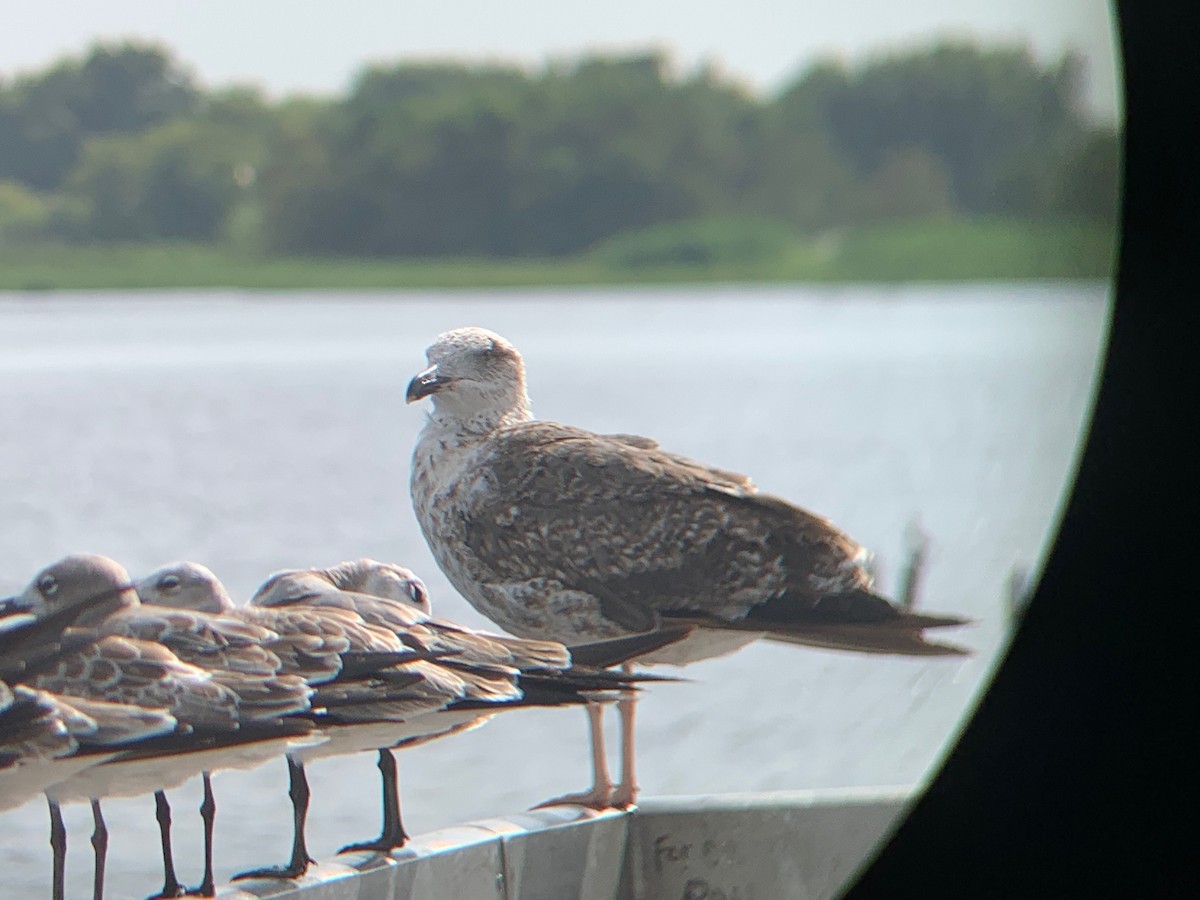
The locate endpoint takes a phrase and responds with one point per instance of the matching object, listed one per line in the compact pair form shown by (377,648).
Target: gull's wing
(414,627)
(105,724)
(207,640)
(143,674)
(32,727)
(654,536)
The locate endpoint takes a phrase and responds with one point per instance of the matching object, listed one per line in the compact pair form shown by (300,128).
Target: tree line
(426,160)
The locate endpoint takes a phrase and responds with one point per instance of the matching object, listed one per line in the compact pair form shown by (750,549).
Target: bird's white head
(185,585)
(476,379)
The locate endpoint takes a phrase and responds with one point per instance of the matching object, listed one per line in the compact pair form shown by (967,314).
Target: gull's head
(387,581)
(94,586)
(475,377)
(184,585)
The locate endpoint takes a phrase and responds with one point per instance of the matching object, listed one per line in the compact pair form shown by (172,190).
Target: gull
(463,679)
(37,732)
(368,683)
(33,733)
(558,533)
(394,597)
(55,740)
(46,738)
(231,717)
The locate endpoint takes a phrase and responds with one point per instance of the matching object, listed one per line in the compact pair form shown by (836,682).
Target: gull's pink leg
(598,796)
(626,793)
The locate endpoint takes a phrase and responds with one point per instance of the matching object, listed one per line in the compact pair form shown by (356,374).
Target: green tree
(1087,186)
(179,180)
(24,215)
(413,162)
(433,160)
(909,183)
(449,159)
(797,173)
(299,200)
(44,119)
(982,113)
(618,144)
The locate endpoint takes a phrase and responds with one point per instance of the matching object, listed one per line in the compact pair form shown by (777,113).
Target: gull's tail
(614,651)
(893,641)
(859,621)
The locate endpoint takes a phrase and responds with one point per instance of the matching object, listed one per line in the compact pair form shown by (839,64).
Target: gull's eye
(418,592)
(168,583)
(48,585)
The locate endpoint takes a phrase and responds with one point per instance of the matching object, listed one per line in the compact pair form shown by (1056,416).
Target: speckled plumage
(208,668)
(394,598)
(137,672)
(31,727)
(558,533)
(308,641)
(203,671)
(367,607)
(44,739)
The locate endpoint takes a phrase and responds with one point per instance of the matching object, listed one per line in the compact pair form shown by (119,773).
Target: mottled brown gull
(372,707)
(548,671)
(87,734)
(558,533)
(46,738)
(393,597)
(32,733)
(232,715)
(465,676)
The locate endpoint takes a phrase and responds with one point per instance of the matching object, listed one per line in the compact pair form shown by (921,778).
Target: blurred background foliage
(622,158)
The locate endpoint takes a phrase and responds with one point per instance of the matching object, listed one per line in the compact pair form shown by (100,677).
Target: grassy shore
(927,251)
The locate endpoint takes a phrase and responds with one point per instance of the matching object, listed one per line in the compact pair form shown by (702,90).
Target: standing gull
(369,685)
(231,712)
(463,677)
(558,533)
(35,731)
(46,738)
(545,672)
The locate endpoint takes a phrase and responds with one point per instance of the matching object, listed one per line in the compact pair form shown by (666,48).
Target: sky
(317,46)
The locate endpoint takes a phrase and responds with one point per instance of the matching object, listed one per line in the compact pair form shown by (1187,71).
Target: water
(257,432)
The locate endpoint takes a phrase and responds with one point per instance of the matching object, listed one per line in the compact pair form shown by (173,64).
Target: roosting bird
(557,533)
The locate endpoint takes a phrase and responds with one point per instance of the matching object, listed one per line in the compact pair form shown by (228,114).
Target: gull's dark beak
(424,384)
(10,606)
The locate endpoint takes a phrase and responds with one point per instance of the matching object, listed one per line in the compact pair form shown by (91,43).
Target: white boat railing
(792,845)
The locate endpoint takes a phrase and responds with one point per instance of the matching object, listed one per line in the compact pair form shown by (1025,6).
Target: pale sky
(288,46)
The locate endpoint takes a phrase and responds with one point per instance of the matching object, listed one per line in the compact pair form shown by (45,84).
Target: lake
(254,432)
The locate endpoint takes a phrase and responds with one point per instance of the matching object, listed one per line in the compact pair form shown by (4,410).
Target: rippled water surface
(257,432)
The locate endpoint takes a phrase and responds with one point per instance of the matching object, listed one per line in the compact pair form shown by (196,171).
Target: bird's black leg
(162,812)
(58,843)
(300,794)
(100,846)
(393,834)
(298,791)
(208,812)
